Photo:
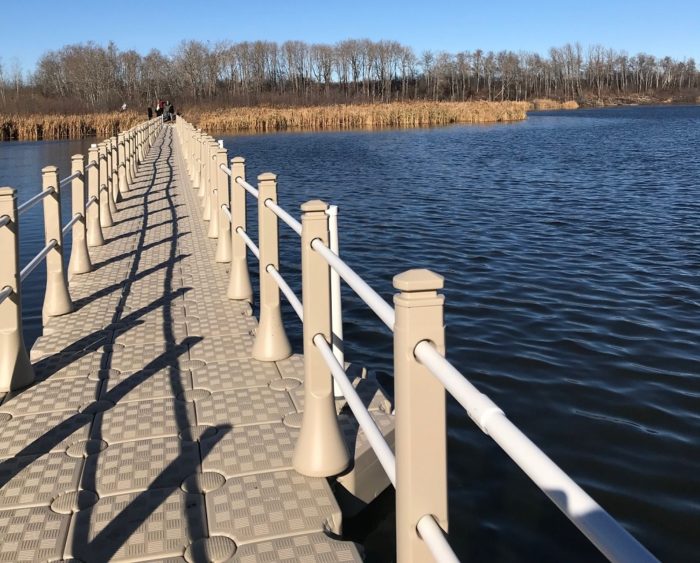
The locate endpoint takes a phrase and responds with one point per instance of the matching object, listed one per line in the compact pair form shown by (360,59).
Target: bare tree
(90,76)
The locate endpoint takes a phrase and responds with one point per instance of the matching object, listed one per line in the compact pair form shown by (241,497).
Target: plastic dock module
(151,433)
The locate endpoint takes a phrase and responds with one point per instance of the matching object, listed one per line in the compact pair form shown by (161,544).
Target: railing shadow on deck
(110,539)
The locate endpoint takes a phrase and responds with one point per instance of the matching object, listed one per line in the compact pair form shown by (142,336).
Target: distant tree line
(93,77)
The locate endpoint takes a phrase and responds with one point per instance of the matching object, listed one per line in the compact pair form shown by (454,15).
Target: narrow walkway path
(151,433)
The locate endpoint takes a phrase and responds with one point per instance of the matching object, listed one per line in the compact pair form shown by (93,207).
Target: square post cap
(418,280)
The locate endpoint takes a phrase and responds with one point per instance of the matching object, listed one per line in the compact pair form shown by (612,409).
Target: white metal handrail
(68,179)
(248,242)
(364,419)
(603,531)
(288,293)
(375,302)
(31,202)
(91,201)
(433,536)
(4,220)
(616,543)
(92,164)
(29,268)
(77,217)
(282,214)
(5,293)
(596,524)
(246,186)
(227,212)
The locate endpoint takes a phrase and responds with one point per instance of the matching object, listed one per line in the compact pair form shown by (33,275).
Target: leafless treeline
(89,76)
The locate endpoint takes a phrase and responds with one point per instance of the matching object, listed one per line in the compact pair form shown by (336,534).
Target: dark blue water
(570,247)
(20,168)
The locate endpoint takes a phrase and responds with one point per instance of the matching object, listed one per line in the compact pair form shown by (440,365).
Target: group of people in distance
(166,109)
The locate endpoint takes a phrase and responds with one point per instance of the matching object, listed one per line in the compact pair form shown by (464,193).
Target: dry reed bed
(366,116)
(262,119)
(546,104)
(50,127)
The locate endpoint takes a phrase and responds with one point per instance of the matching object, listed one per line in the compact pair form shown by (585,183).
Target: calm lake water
(570,247)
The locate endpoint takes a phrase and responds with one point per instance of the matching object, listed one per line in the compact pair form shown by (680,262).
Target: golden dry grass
(262,119)
(547,104)
(365,116)
(49,127)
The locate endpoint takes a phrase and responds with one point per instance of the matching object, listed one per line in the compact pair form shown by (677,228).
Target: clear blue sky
(30,27)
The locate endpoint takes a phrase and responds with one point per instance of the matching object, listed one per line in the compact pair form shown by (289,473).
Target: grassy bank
(50,127)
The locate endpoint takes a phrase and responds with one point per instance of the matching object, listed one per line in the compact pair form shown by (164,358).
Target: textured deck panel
(137,526)
(152,435)
(36,480)
(32,534)
(251,449)
(316,548)
(271,505)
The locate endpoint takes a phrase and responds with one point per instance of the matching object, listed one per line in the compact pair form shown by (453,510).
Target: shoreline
(339,117)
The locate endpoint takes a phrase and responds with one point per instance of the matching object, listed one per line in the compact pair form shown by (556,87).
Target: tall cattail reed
(365,116)
(546,103)
(50,127)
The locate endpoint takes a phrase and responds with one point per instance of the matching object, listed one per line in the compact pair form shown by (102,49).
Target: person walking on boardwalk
(150,113)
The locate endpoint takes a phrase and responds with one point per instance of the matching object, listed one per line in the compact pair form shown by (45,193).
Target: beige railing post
(203,185)
(79,262)
(114,170)
(207,180)
(196,166)
(57,300)
(213,196)
(421,452)
(320,449)
(121,173)
(142,152)
(128,157)
(223,244)
(271,343)
(239,280)
(191,144)
(105,209)
(94,226)
(16,370)
(132,161)
(111,179)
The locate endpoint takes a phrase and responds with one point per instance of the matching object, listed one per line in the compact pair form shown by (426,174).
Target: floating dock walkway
(156,419)
(151,433)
